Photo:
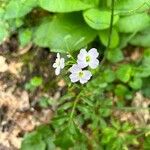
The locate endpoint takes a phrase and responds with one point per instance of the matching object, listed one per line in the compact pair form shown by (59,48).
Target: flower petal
(82,54)
(57,71)
(58,55)
(62,63)
(74,78)
(93,53)
(82,80)
(75,68)
(94,63)
(82,64)
(54,65)
(87,74)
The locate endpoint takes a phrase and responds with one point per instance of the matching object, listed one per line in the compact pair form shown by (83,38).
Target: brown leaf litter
(139,114)
(18,117)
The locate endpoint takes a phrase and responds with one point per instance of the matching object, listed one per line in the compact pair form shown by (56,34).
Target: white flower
(77,74)
(59,64)
(88,58)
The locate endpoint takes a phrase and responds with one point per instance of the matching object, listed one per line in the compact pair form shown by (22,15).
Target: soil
(19,110)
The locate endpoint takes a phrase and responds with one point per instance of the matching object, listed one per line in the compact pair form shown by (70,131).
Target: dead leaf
(3,64)
(142,113)
(15,68)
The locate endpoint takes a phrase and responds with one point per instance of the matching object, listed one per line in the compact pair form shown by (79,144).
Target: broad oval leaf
(99,20)
(64,5)
(124,72)
(3,31)
(65,32)
(130,6)
(18,8)
(142,38)
(134,23)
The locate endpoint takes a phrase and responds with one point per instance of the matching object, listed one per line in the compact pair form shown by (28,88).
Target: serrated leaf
(64,5)
(64,139)
(33,141)
(66,32)
(99,19)
(146,144)
(134,23)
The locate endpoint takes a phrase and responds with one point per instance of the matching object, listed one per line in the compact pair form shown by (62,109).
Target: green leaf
(136,83)
(64,5)
(33,141)
(121,90)
(115,55)
(19,8)
(142,38)
(36,81)
(45,102)
(147,143)
(1,12)
(146,87)
(144,69)
(124,72)
(98,19)
(3,31)
(64,139)
(104,37)
(25,37)
(108,135)
(109,75)
(146,58)
(66,32)
(127,6)
(133,23)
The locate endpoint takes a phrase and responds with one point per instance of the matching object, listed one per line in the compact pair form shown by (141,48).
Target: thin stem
(74,106)
(111,23)
(110,32)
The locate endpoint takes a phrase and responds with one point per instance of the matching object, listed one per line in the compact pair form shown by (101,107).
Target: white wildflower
(77,74)
(59,64)
(88,58)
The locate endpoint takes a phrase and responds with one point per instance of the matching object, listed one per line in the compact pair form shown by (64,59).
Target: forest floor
(19,109)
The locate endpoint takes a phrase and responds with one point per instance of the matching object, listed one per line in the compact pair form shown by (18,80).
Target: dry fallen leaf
(15,68)
(3,64)
(140,115)
(25,121)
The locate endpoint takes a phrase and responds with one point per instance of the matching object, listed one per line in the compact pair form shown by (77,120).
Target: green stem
(74,106)
(110,32)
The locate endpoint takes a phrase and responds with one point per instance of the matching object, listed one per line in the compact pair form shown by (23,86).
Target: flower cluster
(78,72)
